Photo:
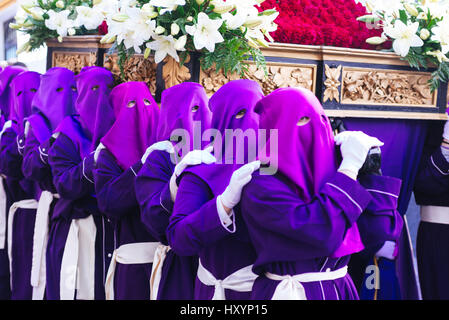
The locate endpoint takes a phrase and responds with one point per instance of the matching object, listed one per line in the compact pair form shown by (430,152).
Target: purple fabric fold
(6,76)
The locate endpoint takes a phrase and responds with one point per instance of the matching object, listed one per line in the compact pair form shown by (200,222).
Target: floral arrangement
(224,33)
(322,22)
(419,31)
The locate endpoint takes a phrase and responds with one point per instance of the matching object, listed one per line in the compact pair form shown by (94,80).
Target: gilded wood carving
(74,61)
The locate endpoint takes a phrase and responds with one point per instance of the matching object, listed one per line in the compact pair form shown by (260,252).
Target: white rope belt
(156,271)
(24,204)
(241,280)
(131,253)
(290,287)
(3,221)
(78,261)
(435,214)
(40,239)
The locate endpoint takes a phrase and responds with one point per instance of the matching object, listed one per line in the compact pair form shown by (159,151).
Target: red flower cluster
(321,22)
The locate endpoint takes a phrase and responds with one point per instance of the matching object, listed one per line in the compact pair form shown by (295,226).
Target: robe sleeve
(35,158)
(153,193)
(433,175)
(195,222)
(10,154)
(282,225)
(72,176)
(114,187)
(381,221)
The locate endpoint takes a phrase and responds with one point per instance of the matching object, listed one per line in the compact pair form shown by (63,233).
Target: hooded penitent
(6,76)
(135,127)
(54,100)
(184,106)
(306,148)
(23,89)
(233,113)
(95,115)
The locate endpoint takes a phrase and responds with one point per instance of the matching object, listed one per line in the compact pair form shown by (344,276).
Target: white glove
(97,151)
(355,146)
(446,131)
(56,135)
(233,192)
(192,158)
(388,250)
(161,146)
(7,125)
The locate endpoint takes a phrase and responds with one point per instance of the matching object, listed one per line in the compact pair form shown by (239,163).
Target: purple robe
(432,189)
(116,198)
(73,179)
(293,237)
(153,194)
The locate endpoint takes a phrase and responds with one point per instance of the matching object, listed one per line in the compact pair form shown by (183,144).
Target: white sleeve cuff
(227,221)
(387,250)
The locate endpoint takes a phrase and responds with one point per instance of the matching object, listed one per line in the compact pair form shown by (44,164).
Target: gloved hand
(388,250)
(161,145)
(446,131)
(233,192)
(354,149)
(97,151)
(194,157)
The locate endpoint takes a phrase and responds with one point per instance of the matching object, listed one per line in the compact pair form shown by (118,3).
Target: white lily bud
(159,30)
(37,15)
(97,2)
(411,9)
(200,2)
(149,10)
(174,29)
(180,43)
(189,19)
(146,53)
(71,31)
(60,4)
(108,38)
(223,8)
(253,23)
(120,17)
(268,12)
(375,40)
(262,42)
(15,26)
(24,48)
(424,34)
(59,39)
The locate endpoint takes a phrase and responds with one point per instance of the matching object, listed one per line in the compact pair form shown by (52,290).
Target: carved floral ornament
(74,61)
(279,76)
(332,83)
(136,69)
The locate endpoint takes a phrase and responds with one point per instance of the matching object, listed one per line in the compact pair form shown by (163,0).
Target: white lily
(88,17)
(107,7)
(205,33)
(167,5)
(233,21)
(163,46)
(441,34)
(59,22)
(404,37)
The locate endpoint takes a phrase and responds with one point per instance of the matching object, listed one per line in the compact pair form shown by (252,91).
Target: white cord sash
(23,204)
(78,261)
(131,253)
(3,221)
(156,272)
(40,239)
(435,214)
(241,280)
(290,287)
